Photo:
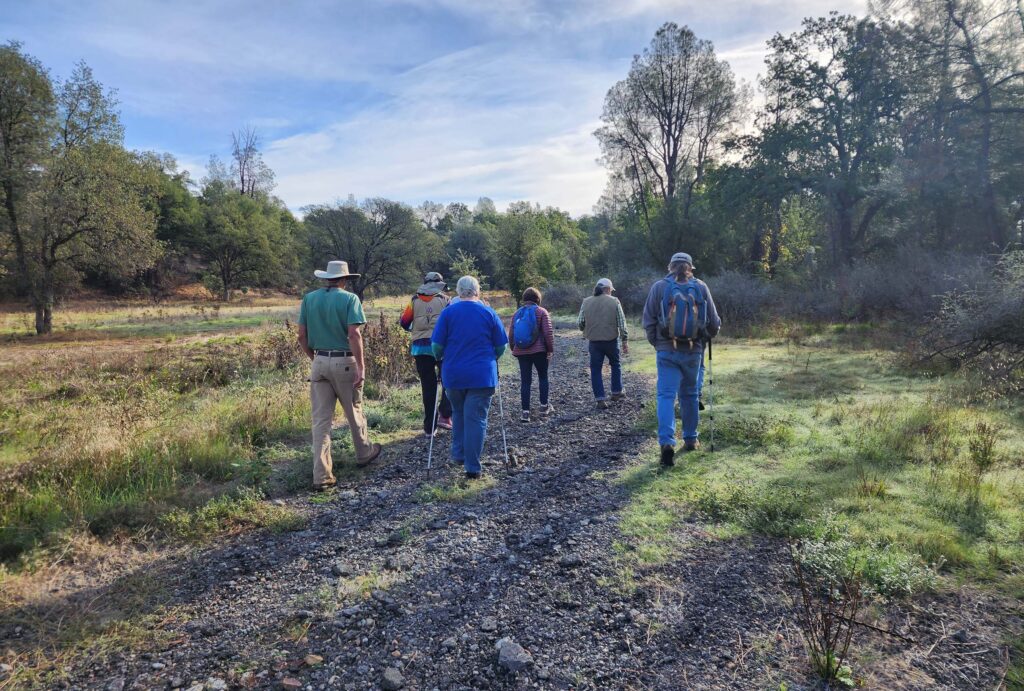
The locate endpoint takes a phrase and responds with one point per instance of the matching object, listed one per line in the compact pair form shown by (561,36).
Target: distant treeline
(900,130)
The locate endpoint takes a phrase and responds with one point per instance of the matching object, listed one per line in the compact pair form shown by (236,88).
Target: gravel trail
(519,587)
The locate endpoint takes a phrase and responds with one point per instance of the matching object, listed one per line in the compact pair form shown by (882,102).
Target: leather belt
(334,353)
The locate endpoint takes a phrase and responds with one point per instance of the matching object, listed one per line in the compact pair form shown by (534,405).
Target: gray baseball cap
(605,283)
(681,257)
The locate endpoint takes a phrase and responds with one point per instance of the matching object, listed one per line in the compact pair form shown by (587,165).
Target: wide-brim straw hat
(336,269)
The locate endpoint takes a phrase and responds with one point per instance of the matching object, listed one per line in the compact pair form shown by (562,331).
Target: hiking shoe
(546,410)
(472,476)
(700,404)
(444,422)
(377,448)
(621,396)
(668,453)
(525,416)
(602,405)
(691,445)
(427,435)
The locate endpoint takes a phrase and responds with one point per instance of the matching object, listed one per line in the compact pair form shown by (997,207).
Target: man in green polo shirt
(330,320)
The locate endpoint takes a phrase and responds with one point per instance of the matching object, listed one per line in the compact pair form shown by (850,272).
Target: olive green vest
(600,318)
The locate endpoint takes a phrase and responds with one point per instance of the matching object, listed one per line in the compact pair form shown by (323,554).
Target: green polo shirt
(327,313)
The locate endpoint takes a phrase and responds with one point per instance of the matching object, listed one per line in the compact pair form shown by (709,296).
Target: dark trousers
(429,370)
(599,350)
(526,365)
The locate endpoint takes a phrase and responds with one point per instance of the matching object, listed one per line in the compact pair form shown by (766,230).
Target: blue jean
(527,363)
(678,374)
(599,350)
(469,425)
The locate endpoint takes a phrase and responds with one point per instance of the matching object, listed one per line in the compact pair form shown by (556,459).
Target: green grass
(831,425)
(230,513)
(460,491)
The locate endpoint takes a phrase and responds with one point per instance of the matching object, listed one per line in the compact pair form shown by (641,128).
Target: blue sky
(446,100)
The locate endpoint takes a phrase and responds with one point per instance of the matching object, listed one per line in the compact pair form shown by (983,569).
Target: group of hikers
(458,341)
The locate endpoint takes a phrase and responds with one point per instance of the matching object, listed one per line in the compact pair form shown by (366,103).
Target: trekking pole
(501,412)
(711,397)
(433,426)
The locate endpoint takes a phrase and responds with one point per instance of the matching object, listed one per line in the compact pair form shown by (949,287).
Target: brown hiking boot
(621,396)
(602,405)
(377,448)
(692,445)
(668,453)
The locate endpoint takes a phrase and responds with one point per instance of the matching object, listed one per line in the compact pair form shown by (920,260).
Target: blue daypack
(525,328)
(684,312)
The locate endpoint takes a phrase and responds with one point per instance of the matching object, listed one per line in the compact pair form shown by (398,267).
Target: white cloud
(481,122)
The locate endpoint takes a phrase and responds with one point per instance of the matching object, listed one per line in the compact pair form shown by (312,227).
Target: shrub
(909,283)
(565,296)
(386,351)
(742,300)
(982,327)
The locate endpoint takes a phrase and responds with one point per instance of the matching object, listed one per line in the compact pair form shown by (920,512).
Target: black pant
(526,365)
(429,370)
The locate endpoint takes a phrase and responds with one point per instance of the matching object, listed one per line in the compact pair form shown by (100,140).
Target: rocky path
(520,587)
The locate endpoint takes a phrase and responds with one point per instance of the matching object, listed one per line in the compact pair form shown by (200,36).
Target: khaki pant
(332,380)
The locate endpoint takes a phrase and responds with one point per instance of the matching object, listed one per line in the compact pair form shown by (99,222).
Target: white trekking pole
(501,412)
(711,397)
(433,425)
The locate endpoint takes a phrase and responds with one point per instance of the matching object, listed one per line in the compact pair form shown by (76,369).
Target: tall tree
(89,207)
(665,121)
(380,239)
(966,115)
(835,86)
(252,176)
(27,108)
(241,238)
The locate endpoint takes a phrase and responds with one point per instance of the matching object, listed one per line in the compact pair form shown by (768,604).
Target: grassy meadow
(916,479)
(170,417)
(177,421)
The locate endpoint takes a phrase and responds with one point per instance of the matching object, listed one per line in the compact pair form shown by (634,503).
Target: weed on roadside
(228,514)
(459,491)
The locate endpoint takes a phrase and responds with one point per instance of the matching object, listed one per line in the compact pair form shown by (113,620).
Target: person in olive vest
(330,320)
(419,318)
(604,324)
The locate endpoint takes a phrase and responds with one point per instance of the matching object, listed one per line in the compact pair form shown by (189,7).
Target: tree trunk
(775,244)
(43,301)
(987,201)
(19,243)
(842,233)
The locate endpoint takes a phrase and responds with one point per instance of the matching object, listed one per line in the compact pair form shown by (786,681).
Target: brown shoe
(621,396)
(602,405)
(691,445)
(323,487)
(377,448)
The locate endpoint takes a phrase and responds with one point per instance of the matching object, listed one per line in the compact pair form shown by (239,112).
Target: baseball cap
(681,257)
(605,283)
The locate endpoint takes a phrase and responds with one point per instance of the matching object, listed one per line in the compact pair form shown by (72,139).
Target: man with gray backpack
(680,319)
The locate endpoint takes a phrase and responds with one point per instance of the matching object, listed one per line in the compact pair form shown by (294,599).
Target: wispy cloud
(410,99)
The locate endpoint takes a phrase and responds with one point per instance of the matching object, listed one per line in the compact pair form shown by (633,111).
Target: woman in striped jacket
(534,349)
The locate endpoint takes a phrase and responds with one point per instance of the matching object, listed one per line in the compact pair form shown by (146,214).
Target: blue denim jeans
(678,374)
(599,350)
(469,425)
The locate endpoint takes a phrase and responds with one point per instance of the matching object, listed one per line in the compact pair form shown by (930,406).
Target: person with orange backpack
(533,344)
(419,318)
